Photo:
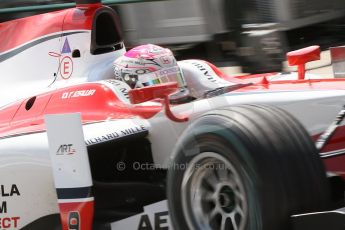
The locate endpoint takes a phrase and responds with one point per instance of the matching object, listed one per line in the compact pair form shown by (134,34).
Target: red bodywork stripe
(95,102)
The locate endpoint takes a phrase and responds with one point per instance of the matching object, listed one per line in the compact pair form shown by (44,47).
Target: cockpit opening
(106,32)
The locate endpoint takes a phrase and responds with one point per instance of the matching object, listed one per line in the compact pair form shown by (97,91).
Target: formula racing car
(82,150)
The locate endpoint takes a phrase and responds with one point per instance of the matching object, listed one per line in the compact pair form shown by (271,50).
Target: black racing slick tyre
(246,167)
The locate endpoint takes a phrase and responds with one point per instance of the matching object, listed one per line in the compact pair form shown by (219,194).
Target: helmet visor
(173,74)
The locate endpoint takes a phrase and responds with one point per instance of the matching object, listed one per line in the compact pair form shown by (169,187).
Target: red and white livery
(238,155)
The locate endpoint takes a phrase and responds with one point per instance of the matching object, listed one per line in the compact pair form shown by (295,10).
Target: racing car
(81,150)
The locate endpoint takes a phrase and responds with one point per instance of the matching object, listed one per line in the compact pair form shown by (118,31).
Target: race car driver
(148,65)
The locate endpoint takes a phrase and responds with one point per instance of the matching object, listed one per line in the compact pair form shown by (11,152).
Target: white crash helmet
(147,65)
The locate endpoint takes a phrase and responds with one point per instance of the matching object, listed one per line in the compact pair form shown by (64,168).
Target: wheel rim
(213,195)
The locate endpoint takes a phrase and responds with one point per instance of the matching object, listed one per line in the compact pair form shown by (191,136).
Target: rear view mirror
(149,93)
(160,91)
(301,57)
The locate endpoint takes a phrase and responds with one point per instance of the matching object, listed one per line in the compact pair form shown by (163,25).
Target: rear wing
(338,61)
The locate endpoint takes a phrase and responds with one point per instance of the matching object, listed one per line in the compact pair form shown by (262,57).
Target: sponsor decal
(79,93)
(204,71)
(154,217)
(8,222)
(66,149)
(160,222)
(74,221)
(115,135)
(172,70)
(13,190)
(65,61)
(209,74)
(66,67)
(66,48)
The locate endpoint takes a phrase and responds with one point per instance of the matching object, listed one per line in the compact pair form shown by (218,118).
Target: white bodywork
(34,77)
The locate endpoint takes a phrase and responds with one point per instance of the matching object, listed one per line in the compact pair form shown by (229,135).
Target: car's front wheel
(244,168)
(213,193)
